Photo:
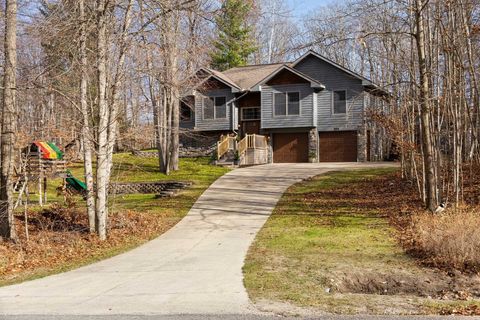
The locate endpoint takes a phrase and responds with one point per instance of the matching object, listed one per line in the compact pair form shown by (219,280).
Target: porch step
(225,163)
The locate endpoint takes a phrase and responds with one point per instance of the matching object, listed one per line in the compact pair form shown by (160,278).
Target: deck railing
(252,141)
(225,144)
(249,142)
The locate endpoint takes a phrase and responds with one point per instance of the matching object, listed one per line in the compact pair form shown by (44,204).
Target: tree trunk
(430,183)
(9,122)
(103,118)
(115,93)
(85,133)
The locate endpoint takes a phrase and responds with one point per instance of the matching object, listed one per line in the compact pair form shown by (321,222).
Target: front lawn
(58,241)
(329,246)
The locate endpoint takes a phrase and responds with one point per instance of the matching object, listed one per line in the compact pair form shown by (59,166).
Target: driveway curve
(194,268)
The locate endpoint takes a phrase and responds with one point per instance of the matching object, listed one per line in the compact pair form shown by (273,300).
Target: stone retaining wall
(146,187)
(184,152)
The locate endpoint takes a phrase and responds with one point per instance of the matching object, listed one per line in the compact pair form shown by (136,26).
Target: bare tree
(101,202)
(9,121)
(425,110)
(86,135)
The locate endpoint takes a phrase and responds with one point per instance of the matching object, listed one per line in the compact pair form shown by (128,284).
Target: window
(208,108)
(287,104)
(185,112)
(280,100)
(250,114)
(214,108)
(293,103)
(220,108)
(340,101)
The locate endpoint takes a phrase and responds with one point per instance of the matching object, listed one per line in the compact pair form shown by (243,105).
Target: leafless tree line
(91,70)
(425,54)
(105,72)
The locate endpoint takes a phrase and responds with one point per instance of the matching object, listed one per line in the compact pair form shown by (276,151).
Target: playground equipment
(75,184)
(40,161)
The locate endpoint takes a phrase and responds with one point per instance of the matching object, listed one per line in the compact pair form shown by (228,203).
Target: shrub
(449,240)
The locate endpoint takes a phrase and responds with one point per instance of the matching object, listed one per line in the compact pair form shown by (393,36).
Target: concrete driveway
(194,268)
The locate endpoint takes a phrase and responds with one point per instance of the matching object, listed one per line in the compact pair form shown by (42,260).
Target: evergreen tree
(234,43)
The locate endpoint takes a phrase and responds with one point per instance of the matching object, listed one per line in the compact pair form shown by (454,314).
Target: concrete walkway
(194,268)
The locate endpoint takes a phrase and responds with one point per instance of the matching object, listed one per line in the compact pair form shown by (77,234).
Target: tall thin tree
(9,122)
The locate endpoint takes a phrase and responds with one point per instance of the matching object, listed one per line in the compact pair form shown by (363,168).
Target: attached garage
(338,146)
(290,147)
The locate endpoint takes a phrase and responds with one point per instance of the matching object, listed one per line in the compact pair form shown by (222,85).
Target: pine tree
(234,43)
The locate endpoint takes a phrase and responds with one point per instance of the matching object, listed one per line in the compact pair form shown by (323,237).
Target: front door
(250,127)
(250,120)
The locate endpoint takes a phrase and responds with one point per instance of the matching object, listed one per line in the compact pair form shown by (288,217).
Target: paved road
(194,268)
(228,317)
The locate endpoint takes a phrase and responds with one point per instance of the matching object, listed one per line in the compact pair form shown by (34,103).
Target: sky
(302,7)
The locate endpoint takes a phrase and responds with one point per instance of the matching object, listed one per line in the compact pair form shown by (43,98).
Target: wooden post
(64,189)
(25,211)
(40,195)
(45,190)
(40,178)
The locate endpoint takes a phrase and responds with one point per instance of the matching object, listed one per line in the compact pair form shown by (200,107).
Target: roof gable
(248,76)
(324,59)
(285,68)
(366,83)
(217,76)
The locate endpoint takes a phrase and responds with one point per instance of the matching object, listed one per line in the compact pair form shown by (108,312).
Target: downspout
(233,107)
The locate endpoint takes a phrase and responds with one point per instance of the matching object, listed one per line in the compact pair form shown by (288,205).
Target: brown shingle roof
(224,77)
(248,76)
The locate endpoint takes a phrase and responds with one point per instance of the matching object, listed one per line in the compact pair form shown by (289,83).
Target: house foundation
(313,147)
(362,145)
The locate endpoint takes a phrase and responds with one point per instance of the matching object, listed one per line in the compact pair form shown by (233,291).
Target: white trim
(286,115)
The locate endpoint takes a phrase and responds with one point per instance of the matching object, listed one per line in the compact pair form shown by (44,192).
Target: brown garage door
(338,146)
(290,147)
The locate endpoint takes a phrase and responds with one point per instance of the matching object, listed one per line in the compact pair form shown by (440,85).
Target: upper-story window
(214,108)
(286,103)
(252,113)
(340,101)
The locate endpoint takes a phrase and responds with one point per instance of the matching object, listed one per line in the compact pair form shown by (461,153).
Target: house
(309,110)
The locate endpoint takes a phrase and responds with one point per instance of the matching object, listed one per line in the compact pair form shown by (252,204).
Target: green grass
(128,168)
(317,241)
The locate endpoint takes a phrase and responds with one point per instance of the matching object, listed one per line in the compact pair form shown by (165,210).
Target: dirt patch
(433,284)
(59,238)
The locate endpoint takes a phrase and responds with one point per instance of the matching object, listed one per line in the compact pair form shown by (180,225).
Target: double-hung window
(340,102)
(214,108)
(286,103)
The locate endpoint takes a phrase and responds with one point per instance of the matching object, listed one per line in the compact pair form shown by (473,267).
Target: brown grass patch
(450,240)
(59,240)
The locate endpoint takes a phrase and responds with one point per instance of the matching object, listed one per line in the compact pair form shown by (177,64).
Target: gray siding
(335,79)
(187,125)
(305,119)
(213,124)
